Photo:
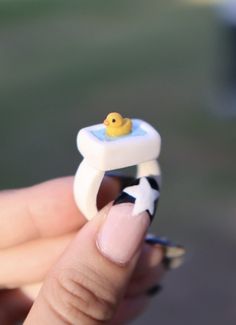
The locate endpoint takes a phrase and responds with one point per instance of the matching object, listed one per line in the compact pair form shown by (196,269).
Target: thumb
(88,282)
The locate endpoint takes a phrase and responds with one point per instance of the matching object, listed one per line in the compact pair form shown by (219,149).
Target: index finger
(45,210)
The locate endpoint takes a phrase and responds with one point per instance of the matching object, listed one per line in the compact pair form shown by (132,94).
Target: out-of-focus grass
(64,65)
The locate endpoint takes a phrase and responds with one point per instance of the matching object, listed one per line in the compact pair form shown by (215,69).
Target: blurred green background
(66,64)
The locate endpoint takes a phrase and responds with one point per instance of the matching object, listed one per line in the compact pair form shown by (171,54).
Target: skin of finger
(91,277)
(45,210)
(140,285)
(31,290)
(40,255)
(31,261)
(151,274)
(148,272)
(130,309)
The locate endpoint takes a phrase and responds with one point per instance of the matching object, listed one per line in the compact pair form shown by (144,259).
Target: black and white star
(144,194)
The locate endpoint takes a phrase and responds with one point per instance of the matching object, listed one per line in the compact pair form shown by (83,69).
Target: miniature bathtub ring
(103,153)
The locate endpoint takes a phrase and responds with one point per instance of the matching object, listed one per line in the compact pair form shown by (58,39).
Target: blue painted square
(136,131)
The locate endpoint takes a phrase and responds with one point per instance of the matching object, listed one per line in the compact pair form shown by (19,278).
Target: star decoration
(145,196)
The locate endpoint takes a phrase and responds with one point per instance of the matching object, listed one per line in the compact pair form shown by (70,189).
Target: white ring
(101,154)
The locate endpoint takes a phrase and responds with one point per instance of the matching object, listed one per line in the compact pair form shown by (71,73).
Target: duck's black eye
(113,120)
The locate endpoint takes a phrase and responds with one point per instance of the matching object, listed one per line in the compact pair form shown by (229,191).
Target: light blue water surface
(136,131)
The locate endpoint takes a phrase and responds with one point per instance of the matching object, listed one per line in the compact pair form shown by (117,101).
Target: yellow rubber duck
(116,125)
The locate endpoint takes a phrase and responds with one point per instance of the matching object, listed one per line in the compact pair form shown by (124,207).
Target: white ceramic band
(88,180)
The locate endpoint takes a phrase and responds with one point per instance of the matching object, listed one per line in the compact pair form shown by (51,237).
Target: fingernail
(122,233)
(153,291)
(156,240)
(174,257)
(173,253)
(144,193)
(127,222)
(123,180)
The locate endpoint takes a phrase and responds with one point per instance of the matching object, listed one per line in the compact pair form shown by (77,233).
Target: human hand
(84,285)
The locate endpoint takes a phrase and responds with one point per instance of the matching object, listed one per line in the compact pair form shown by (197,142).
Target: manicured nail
(156,240)
(122,233)
(173,257)
(153,291)
(173,254)
(127,221)
(144,193)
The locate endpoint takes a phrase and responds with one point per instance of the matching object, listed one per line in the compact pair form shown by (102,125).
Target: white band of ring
(88,180)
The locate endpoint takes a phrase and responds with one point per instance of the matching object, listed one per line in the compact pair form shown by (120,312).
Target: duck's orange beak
(106,122)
